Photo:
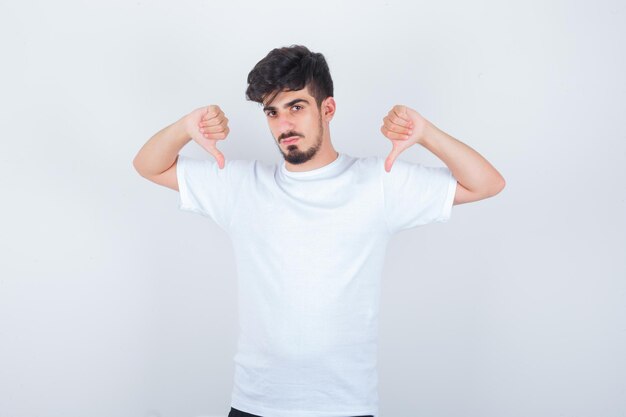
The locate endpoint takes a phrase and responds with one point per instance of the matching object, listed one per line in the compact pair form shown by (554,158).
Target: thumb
(217,154)
(219,157)
(395,151)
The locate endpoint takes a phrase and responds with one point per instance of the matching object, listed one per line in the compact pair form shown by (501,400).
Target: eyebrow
(291,103)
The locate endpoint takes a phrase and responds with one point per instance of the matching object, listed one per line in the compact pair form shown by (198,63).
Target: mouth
(291,139)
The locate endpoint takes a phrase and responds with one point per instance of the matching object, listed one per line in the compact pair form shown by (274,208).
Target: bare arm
(160,152)
(156,160)
(476,177)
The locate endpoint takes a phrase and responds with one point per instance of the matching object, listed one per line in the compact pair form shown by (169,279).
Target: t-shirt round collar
(328,169)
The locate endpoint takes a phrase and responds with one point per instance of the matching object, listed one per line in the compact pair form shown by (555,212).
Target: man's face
(295,115)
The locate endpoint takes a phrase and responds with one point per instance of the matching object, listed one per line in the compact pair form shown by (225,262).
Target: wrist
(183,128)
(429,135)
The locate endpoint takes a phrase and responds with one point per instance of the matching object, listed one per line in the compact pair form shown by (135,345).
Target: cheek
(273,130)
(312,124)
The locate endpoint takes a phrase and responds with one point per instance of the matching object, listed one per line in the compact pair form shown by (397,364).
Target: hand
(404,127)
(206,126)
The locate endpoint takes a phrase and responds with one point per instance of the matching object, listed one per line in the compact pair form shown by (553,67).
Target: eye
(270,113)
(296,106)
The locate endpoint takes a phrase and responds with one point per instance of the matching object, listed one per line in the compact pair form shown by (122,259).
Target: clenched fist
(404,127)
(206,126)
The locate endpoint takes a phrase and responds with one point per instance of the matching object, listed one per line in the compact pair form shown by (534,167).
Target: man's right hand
(206,126)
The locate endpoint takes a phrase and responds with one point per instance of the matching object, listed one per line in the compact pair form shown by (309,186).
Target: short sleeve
(415,195)
(206,189)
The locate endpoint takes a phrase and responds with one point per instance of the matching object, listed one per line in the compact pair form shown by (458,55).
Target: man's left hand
(404,127)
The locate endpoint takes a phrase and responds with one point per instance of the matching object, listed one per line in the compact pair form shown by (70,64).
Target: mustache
(288,135)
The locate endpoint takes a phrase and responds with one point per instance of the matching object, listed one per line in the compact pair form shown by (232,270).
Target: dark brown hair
(289,69)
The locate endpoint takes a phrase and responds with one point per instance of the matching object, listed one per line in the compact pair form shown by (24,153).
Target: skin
(476,177)
(295,114)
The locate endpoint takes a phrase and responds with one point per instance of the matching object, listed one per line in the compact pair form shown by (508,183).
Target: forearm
(160,152)
(469,168)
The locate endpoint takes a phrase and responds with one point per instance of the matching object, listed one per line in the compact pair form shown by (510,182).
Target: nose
(284,125)
(285,122)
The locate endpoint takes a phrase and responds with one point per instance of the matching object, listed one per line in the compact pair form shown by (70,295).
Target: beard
(295,156)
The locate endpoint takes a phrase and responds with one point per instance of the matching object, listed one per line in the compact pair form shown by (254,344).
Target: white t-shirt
(309,249)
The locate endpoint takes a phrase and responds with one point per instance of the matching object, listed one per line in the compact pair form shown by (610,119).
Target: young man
(310,234)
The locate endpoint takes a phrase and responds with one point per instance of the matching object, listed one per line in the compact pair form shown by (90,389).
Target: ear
(328,108)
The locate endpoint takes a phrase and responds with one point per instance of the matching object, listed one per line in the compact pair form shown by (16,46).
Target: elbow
(138,167)
(493,187)
(498,186)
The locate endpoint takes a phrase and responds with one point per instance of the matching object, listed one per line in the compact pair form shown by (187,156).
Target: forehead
(287,96)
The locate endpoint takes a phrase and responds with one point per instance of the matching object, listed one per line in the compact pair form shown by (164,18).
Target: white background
(113,302)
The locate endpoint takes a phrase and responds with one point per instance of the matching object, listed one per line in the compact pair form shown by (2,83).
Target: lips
(290,139)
